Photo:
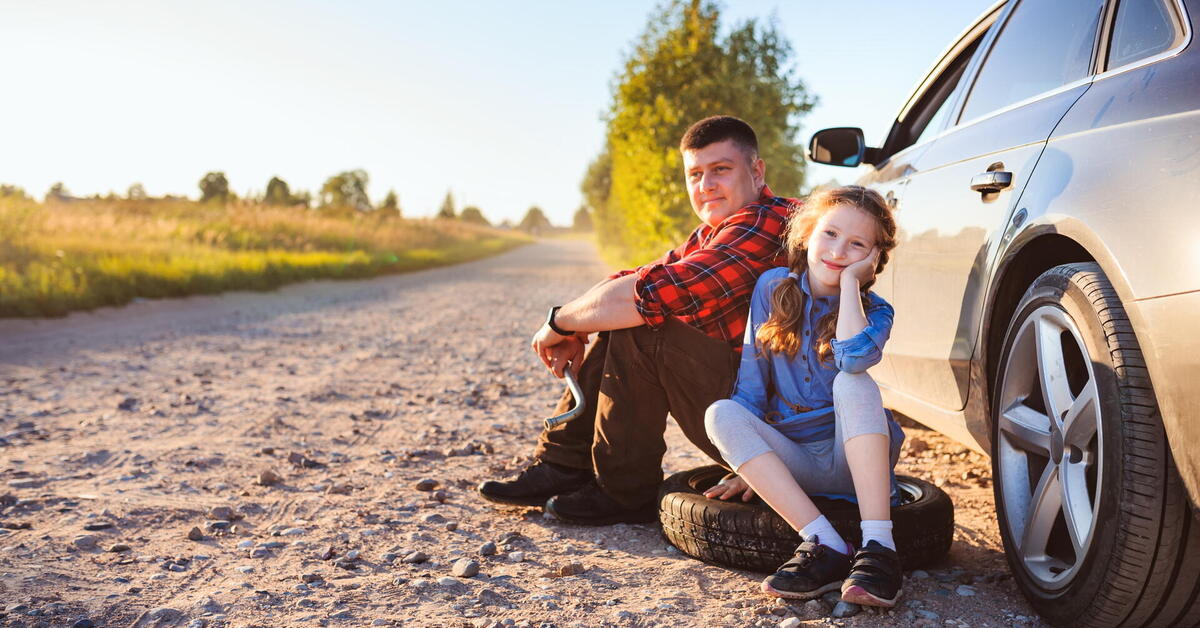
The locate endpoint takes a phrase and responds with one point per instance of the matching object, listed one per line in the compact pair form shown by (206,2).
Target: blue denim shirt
(766,380)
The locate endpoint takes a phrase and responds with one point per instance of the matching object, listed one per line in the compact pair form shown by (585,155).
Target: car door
(963,189)
(920,120)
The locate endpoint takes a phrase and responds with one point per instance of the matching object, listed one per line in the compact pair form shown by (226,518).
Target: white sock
(825,534)
(878,530)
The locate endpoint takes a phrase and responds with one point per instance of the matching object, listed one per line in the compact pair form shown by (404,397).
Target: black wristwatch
(550,322)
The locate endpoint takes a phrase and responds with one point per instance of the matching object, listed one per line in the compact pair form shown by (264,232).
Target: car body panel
(1143,119)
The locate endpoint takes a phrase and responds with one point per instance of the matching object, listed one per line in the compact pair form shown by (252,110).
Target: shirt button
(806,332)
(806,379)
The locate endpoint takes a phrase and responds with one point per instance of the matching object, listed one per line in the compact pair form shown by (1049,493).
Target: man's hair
(718,129)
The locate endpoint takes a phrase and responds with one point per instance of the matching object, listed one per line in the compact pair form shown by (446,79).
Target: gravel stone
(845,609)
(195,534)
(416,557)
(426,484)
(268,477)
(465,568)
(487,549)
(84,541)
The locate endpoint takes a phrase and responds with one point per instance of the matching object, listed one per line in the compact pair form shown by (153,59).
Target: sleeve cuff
(855,354)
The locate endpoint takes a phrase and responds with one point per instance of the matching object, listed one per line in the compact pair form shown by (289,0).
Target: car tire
(751,536)
(1096,526)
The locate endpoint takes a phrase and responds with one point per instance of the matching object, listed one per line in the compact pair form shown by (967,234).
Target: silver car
(1046,180)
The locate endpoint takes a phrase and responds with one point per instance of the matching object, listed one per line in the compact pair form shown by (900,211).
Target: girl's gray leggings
(819,467)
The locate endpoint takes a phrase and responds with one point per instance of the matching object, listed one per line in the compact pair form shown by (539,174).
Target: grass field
(58,257)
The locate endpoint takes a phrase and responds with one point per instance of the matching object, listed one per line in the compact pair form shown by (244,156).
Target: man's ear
(759,168)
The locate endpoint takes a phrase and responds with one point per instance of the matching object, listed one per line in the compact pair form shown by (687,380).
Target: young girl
(805,419)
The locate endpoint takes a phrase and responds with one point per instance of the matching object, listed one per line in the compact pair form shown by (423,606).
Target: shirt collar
(803,281)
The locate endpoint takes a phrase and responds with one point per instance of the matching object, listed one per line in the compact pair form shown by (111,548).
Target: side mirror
(841,146)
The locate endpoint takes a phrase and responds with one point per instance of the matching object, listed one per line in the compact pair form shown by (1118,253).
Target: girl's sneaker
(813,570)
(875,578)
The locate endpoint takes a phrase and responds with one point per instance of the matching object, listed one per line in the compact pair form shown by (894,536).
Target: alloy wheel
(1049,447)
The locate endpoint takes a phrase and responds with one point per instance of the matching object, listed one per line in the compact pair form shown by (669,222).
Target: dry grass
(59,257)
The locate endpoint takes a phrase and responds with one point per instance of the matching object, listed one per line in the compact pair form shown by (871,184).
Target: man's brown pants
(631,379)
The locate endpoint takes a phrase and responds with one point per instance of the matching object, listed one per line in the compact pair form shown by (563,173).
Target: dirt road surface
(255,459)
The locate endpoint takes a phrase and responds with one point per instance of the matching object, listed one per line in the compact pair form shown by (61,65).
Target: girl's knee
(855,385)
(722,416)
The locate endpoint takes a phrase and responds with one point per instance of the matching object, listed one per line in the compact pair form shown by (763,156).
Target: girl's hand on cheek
(864,269)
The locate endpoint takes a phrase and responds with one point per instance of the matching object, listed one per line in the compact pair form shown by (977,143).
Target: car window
(1142,28)
(938,119)
(1044,44)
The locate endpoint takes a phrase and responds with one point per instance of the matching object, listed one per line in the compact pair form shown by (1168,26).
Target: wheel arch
(1039,250)
(1047,242)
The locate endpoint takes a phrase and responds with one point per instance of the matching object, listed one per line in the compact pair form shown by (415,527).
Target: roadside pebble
(516,557)
(84,541)
(268,477)
(195,534)
(465,568)
(790,622)
(845,609)
(416,557)
(919,574)
(451,526)
(426,484)
(964,590)
(487,549)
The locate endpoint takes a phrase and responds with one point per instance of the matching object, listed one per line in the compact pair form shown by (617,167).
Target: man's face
(720,180)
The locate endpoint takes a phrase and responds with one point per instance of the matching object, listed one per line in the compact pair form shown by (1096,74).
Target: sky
(500,104)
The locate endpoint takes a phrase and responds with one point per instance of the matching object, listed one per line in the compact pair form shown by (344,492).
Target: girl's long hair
(781,333)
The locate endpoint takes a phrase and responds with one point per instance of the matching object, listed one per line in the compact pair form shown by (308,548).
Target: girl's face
(842,236)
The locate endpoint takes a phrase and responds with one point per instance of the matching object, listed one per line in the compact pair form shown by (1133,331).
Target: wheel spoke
(1052,369)
(1082,418)
(1026,429)
(1076,504)
(1044,506)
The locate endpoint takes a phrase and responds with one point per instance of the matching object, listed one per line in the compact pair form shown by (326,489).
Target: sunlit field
(58,257)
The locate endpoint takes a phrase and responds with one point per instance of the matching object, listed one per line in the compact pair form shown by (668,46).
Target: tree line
(343,191)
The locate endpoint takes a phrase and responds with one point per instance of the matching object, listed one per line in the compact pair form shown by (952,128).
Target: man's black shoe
(541,481)
(813,570)
(875,578)
(590,506)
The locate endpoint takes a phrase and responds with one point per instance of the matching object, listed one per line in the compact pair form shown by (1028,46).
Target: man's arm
(607,305)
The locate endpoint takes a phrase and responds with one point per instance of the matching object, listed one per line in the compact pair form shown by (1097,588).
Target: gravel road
(308,457)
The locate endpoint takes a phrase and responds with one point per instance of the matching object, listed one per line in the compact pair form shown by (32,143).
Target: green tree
(472,215)
(136,192)
(12,191)
(214,187)
(278,192)
(535,221)
(346,189)
(679,71)
(391,202)
(58,192)
(447,209)
(582,221)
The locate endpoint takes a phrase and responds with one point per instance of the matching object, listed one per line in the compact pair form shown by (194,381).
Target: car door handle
(991,182)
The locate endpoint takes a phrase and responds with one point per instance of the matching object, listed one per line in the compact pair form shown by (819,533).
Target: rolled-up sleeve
(722,270)
(864,349)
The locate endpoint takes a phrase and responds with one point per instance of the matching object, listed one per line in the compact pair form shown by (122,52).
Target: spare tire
(751,536)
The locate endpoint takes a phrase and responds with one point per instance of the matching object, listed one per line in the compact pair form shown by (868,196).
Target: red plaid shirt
(707,281)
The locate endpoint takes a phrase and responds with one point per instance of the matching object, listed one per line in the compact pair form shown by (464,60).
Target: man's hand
(730,487)
(556,350)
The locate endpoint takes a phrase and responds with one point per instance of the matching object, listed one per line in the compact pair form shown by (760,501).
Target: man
(670,332)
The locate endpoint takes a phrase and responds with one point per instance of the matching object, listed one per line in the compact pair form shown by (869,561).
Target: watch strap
(550,322)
